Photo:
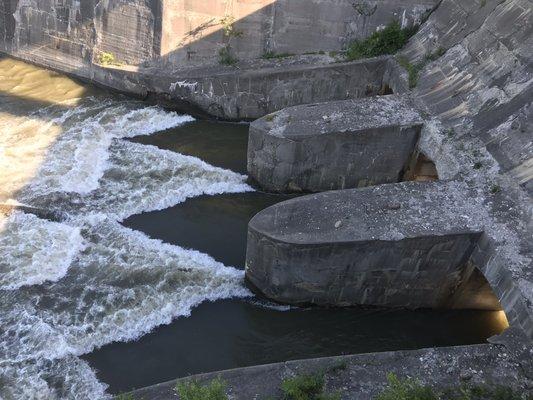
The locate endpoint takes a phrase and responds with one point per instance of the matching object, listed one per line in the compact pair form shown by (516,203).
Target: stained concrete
(333,145)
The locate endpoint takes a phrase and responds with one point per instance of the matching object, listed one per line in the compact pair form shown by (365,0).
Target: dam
(243,193)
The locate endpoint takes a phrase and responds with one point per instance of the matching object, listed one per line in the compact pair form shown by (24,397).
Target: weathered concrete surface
(360,247)
(363,376)
(333,145)
(389,245)
(483,85)
(193,31)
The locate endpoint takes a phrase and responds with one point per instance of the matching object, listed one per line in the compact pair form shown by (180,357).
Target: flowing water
(135,274)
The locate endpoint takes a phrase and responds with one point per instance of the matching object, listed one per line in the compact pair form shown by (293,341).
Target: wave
(121,286)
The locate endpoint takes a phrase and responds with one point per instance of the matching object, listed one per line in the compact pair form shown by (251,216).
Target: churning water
(94,259)
(67,287)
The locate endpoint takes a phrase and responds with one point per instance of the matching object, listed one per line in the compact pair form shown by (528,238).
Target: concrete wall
(184,32)
(333,145)
(193,31)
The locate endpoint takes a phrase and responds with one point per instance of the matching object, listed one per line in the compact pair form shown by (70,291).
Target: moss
(477,165)
(192,390)
(495,189)
(387,41)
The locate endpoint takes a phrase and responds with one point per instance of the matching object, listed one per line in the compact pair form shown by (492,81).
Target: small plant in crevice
(193,390)
(413,70)
(106,58)
(386,41)
(477,165)
(226,56)
(229,32)
(495,189)
(271,55)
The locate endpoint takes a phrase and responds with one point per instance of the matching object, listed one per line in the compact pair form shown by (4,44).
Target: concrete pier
(393,245)
(334,145)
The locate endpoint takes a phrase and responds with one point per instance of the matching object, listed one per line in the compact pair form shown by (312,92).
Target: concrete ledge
(363,376)
(393,245)
(334,145)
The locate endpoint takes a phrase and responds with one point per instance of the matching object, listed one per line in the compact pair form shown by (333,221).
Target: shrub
(407,389)
(387,41)
(192,390)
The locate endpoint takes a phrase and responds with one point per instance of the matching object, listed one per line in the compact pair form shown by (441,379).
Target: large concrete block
(393,245)
(335,145)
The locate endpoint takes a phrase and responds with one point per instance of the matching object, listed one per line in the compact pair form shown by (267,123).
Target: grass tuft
(192,390)
(407,389)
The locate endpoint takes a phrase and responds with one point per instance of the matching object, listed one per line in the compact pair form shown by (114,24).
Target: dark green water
(235,333)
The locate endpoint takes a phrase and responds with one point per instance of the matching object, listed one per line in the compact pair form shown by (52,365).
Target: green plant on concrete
(106,58)
(193,390)
(226,56)
(406,389)
(306,387)
(478,165)
(270,55)
(386,41)
(413,70)
(230,32)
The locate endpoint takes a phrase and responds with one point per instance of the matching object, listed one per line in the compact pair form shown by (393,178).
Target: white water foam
(33,251)
(121,286)
(68,288)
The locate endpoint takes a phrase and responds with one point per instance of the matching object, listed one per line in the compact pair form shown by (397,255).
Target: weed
(192,390)
(413,70)
(387,41)
(226,56)
(270,55)
(105,58)
(478,165)
(407,389)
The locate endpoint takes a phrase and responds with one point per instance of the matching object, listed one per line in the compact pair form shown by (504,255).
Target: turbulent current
(78,279)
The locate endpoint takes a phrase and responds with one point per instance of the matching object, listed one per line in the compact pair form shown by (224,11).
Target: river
(125,266)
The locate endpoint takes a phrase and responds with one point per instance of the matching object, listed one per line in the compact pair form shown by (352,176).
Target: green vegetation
(192,390)
(387,41)
(410,389)
(105,58)
(478,165)
(413,70)
(306,387)
(407,389)
(270,55)
(226,56)
(230,32)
